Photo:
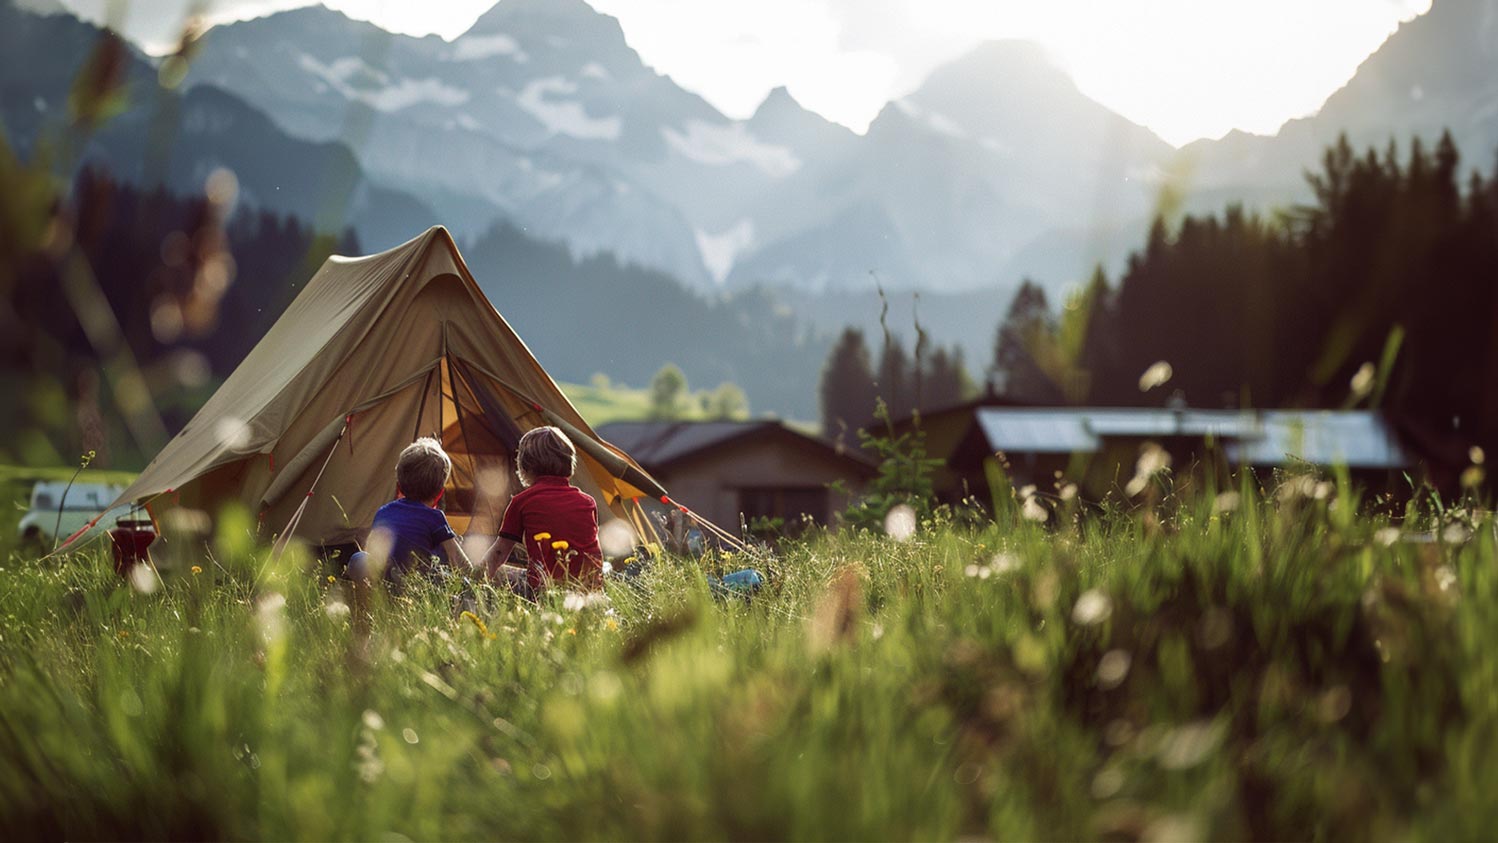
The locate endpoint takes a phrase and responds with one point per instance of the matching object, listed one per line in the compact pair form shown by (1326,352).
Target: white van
(83,501)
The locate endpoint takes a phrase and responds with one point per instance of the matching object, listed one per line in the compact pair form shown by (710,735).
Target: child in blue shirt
(411,533)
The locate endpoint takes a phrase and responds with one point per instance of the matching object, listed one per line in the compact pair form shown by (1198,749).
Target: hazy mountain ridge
(542,114)
(1435,73)
(997,167)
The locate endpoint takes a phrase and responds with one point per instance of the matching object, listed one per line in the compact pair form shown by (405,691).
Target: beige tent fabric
(350,374)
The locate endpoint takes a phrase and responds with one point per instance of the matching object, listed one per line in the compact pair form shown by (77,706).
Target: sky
(1187,69)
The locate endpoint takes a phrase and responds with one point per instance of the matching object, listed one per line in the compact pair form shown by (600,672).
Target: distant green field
(603,404)
(600,405)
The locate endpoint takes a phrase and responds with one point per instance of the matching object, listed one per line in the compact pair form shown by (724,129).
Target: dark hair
(423,469)
(545,452)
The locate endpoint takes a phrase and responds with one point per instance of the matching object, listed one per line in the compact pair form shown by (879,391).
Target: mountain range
(542,114)
(996,167)
(541,117)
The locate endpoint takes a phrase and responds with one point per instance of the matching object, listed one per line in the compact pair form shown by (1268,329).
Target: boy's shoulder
(549,487)
(404,509)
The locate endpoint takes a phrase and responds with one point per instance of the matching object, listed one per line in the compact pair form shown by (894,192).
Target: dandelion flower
(611,624)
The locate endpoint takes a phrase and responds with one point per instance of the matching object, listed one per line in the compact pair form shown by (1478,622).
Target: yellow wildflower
(541,537)
(196,569)
(124,634)
(571,631)
(611,624)
(332,578)
(559,544)
(478,622)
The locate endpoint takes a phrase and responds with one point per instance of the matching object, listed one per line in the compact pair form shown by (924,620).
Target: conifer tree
(847,388)
(1016,370)
(895,382)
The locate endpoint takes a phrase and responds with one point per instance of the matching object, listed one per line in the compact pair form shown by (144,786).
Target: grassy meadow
(1262,665)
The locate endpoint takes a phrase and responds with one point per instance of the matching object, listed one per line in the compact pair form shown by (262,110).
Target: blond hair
(544,452)
(423,469)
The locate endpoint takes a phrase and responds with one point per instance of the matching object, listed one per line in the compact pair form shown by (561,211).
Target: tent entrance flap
(481,439)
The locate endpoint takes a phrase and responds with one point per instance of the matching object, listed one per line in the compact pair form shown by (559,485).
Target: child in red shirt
(555,521)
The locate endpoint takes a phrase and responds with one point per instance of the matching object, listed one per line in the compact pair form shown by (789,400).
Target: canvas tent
(374,352)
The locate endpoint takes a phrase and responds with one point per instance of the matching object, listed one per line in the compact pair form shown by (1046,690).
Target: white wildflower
(1113,668)
(899,524)
(1032,510)
(143,579)
(1003,563)
(1362,380)
(1156,375)
(1093,607)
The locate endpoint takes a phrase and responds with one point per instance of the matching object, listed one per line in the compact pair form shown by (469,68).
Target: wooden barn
(754,468)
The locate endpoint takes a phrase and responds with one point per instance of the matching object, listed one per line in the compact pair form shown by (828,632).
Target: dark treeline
(1395,259)
(852,381)
(140,282)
